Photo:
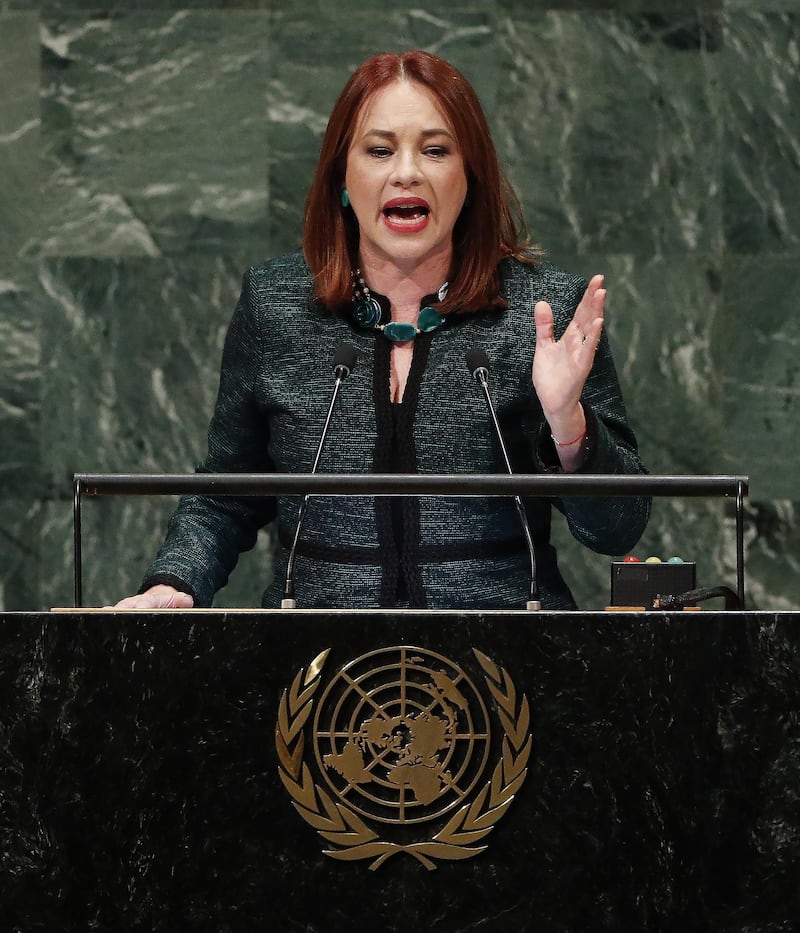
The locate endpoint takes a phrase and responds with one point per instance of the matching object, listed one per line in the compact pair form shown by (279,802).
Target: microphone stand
(344,361)
(478,364)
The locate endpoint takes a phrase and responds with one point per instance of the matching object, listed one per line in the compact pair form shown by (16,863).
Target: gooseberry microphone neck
(478,365)
(344,361)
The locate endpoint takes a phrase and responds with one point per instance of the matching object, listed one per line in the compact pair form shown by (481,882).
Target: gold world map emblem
(401,740)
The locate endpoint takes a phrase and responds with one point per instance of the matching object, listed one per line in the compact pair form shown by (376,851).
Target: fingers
(579,342)
(594,298)
(590,313)
(543,318)
(590,333)
(588,317)
(180,601)
(157,597)
(595,282)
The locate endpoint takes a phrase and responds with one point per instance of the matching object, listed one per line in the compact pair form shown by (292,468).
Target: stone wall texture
(150,151)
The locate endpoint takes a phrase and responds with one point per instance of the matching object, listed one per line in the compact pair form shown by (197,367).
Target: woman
(412,255)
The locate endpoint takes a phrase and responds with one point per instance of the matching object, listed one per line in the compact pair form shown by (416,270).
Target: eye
(437,152)
(379,152)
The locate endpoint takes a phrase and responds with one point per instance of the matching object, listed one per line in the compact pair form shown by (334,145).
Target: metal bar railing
(405,484)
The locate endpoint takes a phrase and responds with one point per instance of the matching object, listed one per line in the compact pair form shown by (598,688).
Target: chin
(415,252)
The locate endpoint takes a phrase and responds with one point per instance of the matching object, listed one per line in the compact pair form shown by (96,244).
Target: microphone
(344,361)
(478,365)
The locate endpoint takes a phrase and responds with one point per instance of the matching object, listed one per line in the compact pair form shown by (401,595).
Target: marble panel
(19,133)
(760,70)
(20,381)
(20,555)
(772,539)
(765,6)
(312,58)
(19,5)
(154,132)
(92,7)
(20,374)
(755,347)
(645,140)
(661,319)
(131,352)
(663,7)
(609,127)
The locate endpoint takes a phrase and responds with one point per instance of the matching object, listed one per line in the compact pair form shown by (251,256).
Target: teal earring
(345,198)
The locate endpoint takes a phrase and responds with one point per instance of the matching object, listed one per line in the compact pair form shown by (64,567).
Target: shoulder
(286,276)
(276,290)
(526,283)
(542,280)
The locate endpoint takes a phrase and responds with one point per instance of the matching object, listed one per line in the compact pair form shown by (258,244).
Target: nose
(406,169)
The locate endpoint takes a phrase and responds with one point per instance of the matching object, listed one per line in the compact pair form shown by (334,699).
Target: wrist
(569,429)
(575,440)
(570,439)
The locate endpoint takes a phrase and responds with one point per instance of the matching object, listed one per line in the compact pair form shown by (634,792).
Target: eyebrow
(387,134)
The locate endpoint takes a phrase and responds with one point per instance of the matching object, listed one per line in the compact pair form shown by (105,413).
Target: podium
(171,771)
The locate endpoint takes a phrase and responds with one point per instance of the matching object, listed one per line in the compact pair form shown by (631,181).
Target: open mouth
(411,212)
(404,211)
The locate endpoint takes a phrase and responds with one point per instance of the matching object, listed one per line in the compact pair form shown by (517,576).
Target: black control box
(638,583)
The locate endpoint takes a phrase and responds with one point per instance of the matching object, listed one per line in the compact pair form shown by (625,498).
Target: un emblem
(401,738)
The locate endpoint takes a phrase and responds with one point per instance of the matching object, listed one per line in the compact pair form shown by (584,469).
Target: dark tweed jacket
(437,552)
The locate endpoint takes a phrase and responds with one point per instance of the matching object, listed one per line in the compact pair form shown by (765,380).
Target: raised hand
(561,367)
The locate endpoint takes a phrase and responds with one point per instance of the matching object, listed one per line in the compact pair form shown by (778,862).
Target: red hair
(490,226)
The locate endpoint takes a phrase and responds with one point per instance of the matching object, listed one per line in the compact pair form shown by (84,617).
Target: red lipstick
(406,215)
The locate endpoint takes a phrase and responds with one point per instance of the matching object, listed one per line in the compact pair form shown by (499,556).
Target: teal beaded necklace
(367,313)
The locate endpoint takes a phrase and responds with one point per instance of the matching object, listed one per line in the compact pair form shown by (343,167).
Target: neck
(404,285)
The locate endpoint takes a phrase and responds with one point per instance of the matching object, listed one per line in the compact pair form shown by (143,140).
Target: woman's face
(405,177)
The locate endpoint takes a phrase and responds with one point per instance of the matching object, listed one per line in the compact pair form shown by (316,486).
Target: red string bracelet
(580,437)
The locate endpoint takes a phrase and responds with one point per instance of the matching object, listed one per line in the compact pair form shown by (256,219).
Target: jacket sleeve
(614,524)
(205,535)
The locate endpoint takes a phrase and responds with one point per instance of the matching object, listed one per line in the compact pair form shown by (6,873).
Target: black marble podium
(140,786)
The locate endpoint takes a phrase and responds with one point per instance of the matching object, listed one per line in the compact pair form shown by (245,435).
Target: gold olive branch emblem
(339,825)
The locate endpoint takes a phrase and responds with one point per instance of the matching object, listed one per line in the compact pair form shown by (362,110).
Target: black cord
(732,600)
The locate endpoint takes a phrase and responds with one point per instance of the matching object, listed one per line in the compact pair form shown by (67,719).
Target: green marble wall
(149,151)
